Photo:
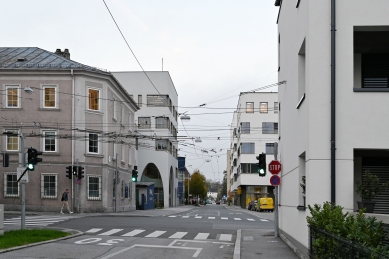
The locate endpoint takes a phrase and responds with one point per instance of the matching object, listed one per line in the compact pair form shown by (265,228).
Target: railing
(327,245)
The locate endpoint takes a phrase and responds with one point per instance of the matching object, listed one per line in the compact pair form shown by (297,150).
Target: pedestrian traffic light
(261,164)
(134,176)
(69,172)
(80,172)
(5,160)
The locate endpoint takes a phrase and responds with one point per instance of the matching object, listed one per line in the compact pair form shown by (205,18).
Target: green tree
(197,184)
(223,189)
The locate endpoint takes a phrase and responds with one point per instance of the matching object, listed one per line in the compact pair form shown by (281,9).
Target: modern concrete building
(76,115)
(254,130)
(334,106)
(156,123)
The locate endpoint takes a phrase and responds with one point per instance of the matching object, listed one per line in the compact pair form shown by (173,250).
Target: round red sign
(275,180)
(275,167)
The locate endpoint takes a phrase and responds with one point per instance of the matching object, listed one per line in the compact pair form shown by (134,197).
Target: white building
(254,130)
(156,123)
(331,131)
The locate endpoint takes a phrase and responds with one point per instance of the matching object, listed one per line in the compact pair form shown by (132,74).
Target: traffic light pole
(276,234)
(115,183)
(22,161)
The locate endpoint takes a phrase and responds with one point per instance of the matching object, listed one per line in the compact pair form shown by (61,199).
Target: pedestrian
(64,200)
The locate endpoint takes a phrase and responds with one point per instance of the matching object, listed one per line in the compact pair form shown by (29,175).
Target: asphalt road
(203,232)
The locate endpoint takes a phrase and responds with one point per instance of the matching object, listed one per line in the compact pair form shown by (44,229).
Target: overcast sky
(212,49)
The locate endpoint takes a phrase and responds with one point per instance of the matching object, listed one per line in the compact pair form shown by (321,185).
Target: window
(162,122)
(263,107)
(94,187)
(161,144)
(144,122)
(12,96)
(248,168)
(122,115)
(93,143)
(49,100)
(158,100)
(269,148)
(245,127)
(122,158)
(140,100)
(12,140)
(11,186)
(275,107)
(49,186)
(50,140)
(249,107)
(375,70)
(248,148)
(94,99)
(301,72)
(129,190)
(269,128)
(114,109)
(130,121)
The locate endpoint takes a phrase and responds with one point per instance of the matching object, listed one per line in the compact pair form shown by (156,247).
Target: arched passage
(152,174)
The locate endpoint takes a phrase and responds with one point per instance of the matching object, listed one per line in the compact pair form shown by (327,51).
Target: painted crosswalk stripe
(178,235)
(133,233)
(251,219)
(211,217)
(172,216)
(224,218)
(264,220)
(225,237)
(112,231)
(185,217)
(201,236)
(156,234)
(93,230)
(198,217)
(237,218)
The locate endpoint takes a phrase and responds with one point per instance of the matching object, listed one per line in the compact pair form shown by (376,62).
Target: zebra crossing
(217,217)
(37,221)
(159,234)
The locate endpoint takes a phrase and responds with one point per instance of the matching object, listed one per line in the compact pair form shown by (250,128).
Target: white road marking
(185,217)
(224,218)
(225,237)
(251,219)
(178,235)
(237,218)
(112,231)
(93,230)
(172,216)
(156,234)
(211,217)
(133,233)
(263,220)
(202,236)
(198,217)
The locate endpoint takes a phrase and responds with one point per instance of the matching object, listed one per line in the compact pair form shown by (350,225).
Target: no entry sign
(275,167)
(275,180)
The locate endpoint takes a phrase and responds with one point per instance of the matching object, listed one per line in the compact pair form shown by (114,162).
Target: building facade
(332,107)
(156,125)
(66,110)
(254,130)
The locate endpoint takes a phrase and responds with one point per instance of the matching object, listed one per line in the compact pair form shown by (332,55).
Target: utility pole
(276,234)
(115,183)
(77,194)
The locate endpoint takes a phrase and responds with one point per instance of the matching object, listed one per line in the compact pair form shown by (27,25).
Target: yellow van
(266,204)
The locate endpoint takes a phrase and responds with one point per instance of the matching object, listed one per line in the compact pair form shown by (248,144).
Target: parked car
(266,204)
(218,202)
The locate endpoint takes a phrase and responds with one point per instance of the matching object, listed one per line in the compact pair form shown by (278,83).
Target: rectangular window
(375,72)
(144,122)
(49,97)
(158,100)
(12,140)
(162,122)
(122,115)
(11,186)
(93,143)
(94,99)
(269,148)
(94,187)
(275,107)
(269,128)
(49,186)
(263,107)
(140,100)
(114,109)
(249,107)
(50,141)
(12,96)
(122,158)
(248,148)
(161,144)
(245,127)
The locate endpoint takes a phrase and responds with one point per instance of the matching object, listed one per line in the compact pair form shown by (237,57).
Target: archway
(152,174)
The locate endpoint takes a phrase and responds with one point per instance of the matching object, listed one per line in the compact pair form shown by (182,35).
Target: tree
(223,190)
(197,184)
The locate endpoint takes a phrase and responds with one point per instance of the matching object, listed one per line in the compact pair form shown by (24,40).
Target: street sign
(275,167)
(19,172)
(275,180)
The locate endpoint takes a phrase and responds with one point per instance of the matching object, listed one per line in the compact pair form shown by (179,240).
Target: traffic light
(261,164)
(80,172)
(134,176)
(36,158)
(5,160)
(33,158)
(69,172)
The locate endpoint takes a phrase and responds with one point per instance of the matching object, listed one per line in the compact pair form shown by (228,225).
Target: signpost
(275,168)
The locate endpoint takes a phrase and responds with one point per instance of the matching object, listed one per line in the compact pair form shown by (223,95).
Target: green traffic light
(133,179)
(30,166)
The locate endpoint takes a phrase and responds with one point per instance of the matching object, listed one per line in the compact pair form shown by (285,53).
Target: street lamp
(198,140)
(185,117)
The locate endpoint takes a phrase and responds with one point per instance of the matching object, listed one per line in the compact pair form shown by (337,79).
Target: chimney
(65,53)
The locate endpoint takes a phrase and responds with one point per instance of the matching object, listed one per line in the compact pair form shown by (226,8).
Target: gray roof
(35,58)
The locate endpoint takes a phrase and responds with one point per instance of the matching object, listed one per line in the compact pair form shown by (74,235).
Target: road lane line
(93,230)
(172,216)
(224,218)
(185,217)
(264,220)
(211,217)
(112,231)
(156,234)
(225,237)
(198,217)
(201,236)
(133,233)
(178,235)
(237,218)
(251,219)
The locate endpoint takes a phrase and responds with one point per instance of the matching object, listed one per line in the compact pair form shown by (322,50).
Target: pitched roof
(35,58)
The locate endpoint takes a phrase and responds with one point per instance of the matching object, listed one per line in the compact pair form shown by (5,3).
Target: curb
(75,233)
(237,244)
